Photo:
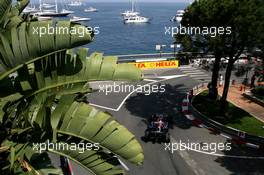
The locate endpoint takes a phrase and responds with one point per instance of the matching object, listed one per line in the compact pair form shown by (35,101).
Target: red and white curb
(196,122)
(187,113)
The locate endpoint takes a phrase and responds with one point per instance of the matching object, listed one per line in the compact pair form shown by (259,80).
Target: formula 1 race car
(157,129)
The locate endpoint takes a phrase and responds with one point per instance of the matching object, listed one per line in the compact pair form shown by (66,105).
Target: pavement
(235,96)
(132,109)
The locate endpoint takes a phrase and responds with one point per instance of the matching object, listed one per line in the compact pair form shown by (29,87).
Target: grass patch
(236,117)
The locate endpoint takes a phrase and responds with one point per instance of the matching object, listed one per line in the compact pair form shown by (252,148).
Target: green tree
(203,14)
(42,85)
(242,16)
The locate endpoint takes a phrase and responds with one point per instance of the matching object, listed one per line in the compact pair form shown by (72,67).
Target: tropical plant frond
(89,124)
(65,73)
(79,120)
(27,40)
(42,87)
(5,6)
(97,162)
(25,159)
(21,5)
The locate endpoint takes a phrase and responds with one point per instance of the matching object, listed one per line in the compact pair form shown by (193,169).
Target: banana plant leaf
(64,73)
(5,6)
(44,93)
(41,82)
(27,40)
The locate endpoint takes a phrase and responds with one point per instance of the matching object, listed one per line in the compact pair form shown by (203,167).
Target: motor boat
(75,3)
(136,19)
(128,13)
(90,9)
(78,19)
(178,17)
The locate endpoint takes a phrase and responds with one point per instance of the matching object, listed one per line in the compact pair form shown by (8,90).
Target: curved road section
(133,107)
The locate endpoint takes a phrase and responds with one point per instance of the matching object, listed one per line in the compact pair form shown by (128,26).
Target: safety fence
(200,120)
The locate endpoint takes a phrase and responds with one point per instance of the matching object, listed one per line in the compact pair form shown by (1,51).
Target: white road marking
(196,73)
(192,163)
(165,78)
(168,77)
(150,80)
(219,155)
(103,107)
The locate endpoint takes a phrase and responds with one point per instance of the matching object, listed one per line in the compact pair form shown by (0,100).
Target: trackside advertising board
(157,64)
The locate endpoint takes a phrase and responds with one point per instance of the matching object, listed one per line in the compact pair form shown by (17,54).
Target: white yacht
(90,9)
(53,12)
(48,6)
(128,13)
(75,3)
(136,19)
(178,17)
(79,19)
(29,9)
(131,12)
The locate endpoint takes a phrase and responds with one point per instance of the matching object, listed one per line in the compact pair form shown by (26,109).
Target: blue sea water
(116,38)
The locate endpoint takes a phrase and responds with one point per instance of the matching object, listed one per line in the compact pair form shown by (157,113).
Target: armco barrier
(200,120)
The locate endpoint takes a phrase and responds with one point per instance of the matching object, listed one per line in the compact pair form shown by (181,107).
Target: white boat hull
(80,19)
(74,5)
(43,18)
(129,13)
(136,20)
(178,19)
(90,10)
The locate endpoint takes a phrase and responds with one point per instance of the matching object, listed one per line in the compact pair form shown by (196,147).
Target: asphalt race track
(132,109)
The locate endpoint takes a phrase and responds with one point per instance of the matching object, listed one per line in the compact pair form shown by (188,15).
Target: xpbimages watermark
(127,88)
(80,31)
(210,148)
(210,31)
(80,147)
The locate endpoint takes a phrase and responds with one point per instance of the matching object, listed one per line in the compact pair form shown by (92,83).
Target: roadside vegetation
(235,117)
(43,84)
(258,92)
(246,19)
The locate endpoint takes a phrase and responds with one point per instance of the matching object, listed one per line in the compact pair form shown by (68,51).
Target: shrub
(259,90)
